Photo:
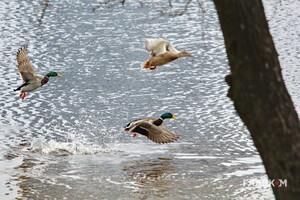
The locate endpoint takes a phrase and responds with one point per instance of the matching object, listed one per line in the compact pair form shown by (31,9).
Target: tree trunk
(258,92)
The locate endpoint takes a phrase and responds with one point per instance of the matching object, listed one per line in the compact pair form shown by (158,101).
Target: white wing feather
(171,48)
(156,46)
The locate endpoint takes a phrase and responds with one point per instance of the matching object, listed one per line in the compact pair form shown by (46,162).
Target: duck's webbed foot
(23,95)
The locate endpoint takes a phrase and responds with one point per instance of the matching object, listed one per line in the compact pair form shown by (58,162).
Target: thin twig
(46,4)
(201,6)
(109,3)
(170,4)
(178,12)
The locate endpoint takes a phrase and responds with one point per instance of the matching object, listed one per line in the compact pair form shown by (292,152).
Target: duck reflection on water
(150,174)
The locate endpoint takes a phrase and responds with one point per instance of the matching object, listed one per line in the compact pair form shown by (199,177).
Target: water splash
(66,148)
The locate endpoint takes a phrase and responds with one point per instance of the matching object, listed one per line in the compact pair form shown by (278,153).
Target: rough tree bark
(258,91)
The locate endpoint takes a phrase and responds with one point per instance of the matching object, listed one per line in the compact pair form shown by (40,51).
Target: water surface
(66,141)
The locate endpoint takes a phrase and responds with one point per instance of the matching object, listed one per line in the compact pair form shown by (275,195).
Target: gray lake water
(66,140)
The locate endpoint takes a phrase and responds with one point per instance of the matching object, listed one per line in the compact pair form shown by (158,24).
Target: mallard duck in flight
(153,129)
(31,80)
(162,52)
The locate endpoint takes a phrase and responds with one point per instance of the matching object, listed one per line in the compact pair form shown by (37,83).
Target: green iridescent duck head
(168,115)
(53,74)
(48,75)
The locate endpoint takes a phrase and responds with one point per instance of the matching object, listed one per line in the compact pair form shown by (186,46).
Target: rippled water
(65,141)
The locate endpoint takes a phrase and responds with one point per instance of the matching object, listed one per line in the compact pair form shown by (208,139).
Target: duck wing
(171,48)
(156,46)
(134,123)
(157,134)
(24,65)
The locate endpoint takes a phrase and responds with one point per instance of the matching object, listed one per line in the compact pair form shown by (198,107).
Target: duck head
(167,115)
(53,74)
(184,54)
(48,75)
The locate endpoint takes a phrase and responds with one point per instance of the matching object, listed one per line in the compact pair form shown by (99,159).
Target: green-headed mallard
(31,80)
(162,52)
(152,128)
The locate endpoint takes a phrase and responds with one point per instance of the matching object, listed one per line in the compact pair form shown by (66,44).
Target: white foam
(72,148)
(75,147)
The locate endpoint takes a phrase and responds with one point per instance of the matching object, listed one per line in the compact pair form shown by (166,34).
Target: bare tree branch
(178,12)
(109,3)
(170,4)
(46,4)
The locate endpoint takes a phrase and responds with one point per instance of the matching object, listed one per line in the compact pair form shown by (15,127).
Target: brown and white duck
(31,80)
(161,53)
(153,129)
